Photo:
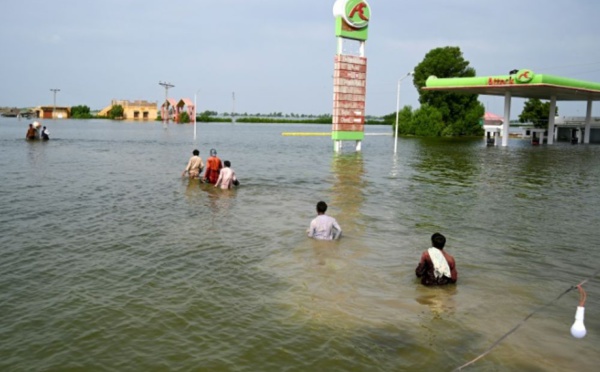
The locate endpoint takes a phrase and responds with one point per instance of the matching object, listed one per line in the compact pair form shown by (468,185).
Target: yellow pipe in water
(306,133)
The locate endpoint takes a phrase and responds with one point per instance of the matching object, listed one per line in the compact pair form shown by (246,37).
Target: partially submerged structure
(134,110)
(172,109)
(526,84)
(52,112)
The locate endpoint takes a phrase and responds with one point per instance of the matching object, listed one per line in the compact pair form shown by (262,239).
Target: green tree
(460,112)
(81,112)
(116,112)
(427,121)
(537,112)
(405,116)
(184,117)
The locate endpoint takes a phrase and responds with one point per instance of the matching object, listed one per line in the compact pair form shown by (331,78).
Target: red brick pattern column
(349,92)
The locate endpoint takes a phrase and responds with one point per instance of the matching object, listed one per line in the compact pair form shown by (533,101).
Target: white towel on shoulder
(440,265)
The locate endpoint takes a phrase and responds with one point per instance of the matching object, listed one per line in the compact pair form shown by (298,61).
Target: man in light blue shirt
(324,227)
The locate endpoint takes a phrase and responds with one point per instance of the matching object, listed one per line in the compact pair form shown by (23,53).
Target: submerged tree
(460,113)
(537,112)
(184,117)
(81,112)
(116,112)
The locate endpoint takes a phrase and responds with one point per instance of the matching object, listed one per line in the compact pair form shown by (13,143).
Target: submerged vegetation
(441,113)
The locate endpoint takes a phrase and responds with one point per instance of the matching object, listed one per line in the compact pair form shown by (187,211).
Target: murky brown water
(110,261)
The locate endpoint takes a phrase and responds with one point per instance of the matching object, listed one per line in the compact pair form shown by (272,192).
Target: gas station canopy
(522,84)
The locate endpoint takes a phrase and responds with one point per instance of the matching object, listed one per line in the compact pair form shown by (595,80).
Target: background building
(134,110)
(52,112)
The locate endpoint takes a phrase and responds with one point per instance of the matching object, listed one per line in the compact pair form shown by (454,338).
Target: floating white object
(578,328)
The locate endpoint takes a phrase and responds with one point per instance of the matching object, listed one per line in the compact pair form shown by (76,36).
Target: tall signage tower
(350,73)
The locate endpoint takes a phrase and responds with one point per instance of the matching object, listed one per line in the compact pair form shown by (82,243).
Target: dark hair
(227,163)
(196,152)
(438,240)
(321,207)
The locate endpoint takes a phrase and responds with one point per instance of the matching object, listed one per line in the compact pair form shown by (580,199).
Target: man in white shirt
(194,166)
(324,227)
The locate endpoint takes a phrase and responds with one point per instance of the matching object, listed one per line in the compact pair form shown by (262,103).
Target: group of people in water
(220,174)
(34,134)
(436,267)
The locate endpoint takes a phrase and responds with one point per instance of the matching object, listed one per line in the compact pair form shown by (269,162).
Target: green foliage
(537,112)
(405,120)
(184,117)
(460,112)
(427,121)
(209,113)
(81,112)
(116,112)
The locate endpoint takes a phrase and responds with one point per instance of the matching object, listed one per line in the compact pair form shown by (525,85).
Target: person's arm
(422,266)
(208,170)
(311,229)
(338,230)
(187,168)
(453,272)
(219,179)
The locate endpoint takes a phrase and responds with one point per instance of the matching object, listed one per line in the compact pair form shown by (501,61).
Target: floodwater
(112,262)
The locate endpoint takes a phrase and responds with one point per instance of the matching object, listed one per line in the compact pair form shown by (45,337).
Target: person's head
(213,152)
(195,152)
(438,240)
(227,163)
(30,125)
(321,207)
(44,127)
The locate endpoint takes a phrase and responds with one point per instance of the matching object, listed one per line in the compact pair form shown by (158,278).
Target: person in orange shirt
(213,168)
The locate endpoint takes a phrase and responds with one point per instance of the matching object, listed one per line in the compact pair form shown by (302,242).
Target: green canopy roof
(523,84)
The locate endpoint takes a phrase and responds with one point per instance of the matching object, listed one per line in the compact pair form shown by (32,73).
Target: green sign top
(352,18)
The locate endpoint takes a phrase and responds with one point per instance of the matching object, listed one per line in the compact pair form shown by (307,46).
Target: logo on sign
(525,76)
(356,13)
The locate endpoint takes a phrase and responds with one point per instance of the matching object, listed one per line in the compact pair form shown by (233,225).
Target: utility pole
(54,107)
(233,108)
(166,86)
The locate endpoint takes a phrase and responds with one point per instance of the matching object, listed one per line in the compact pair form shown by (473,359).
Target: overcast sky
(276,55)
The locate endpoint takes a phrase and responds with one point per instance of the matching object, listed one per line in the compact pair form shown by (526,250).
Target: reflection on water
(440,300)
(447,163)
(110,261)
(347,191)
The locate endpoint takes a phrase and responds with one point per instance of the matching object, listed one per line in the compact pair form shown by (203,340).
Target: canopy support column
(506,123)
(551,117)
(588,122)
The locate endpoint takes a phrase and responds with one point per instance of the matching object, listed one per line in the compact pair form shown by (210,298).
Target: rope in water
(581,302)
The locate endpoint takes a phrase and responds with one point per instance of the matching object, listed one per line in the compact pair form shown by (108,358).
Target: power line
(166,86)
(524,320)
(54,90)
